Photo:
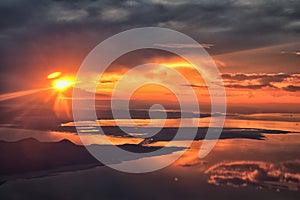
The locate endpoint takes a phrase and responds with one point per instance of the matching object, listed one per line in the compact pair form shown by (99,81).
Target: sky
(255,44)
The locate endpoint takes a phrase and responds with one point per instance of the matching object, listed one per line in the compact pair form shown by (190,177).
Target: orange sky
(239,92)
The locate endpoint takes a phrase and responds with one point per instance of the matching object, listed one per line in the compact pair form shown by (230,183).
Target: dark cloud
(198,18)
(196,86)
(264,80)
(35,34)
(237,86)
(292,88)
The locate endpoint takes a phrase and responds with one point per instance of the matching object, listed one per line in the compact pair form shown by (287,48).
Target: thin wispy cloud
(188,46)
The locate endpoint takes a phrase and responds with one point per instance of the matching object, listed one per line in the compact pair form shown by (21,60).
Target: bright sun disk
(62,84)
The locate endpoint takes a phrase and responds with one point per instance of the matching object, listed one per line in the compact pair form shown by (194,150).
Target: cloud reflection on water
(280,176)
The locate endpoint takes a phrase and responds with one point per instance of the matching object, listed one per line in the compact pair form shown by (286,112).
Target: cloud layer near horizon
(263,80)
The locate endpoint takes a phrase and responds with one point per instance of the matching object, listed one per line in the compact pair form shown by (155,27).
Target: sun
(62,83)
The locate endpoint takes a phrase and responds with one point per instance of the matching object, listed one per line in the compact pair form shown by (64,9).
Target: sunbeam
(13,95)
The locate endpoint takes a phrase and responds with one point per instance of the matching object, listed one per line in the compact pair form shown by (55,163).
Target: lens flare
(54,75)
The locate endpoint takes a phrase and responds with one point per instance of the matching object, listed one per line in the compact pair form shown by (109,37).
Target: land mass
(30,155)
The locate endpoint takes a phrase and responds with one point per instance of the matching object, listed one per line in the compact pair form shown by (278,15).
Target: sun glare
(62,84)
